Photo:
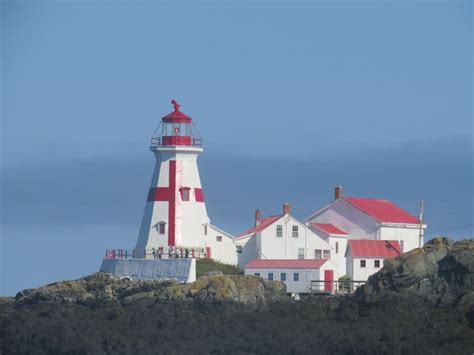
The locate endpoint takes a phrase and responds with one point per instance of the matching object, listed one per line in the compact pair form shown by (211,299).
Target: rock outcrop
(441,274)
(102,288)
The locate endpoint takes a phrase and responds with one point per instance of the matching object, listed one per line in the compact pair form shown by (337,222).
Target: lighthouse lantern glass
(176,129)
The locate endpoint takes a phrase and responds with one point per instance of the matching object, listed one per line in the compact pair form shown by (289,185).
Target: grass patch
(205,265)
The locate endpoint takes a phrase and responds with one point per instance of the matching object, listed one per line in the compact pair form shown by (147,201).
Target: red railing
(176,140)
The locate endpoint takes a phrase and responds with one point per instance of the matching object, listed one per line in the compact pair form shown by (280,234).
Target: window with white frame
(238,249)
(376,263)
(270,276)
(318,254)
(256,274)
(326,254)
(283,276)
(279,230)
(294,231)
(296,276)
(219,238)
(337,247)
(362,263)
(300,253)
(401,246)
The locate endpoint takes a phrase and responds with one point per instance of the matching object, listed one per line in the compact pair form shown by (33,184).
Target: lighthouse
(175,212)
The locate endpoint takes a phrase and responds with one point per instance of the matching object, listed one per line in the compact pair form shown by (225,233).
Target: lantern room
(176,129)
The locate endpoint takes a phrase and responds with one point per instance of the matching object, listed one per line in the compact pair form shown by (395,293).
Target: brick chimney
(337,192)
(258,217)
(286,208)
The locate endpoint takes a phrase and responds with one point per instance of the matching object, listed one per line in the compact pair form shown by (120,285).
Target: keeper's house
(297,275)
(280,237)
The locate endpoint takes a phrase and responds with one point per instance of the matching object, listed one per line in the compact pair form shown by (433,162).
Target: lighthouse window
(279,232)
(294,231)
(239,249)
(219,238)
(184,193)
(161,227)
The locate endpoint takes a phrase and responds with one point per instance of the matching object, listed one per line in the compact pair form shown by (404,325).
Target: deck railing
(158,253)
(335,287)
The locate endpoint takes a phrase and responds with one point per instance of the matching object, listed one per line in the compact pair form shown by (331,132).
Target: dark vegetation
(420,303)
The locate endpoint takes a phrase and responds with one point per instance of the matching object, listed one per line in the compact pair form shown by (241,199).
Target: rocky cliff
(419,302)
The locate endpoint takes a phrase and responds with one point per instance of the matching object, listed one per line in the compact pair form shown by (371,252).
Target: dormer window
(184,193)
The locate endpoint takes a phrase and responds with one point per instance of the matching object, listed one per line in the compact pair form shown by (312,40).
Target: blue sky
(290,98)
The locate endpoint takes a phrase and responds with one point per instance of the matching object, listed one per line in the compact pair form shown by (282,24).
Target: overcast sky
(290,100)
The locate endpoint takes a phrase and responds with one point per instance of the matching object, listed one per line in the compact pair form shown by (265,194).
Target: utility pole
(422,207)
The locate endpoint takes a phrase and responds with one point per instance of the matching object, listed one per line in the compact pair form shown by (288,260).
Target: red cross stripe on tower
(169,194)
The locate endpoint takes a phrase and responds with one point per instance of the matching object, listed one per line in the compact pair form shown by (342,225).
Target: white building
(365,257)
(296,274)
(280,237)
(371,218)
(337,239)
(175,212)
(354,218)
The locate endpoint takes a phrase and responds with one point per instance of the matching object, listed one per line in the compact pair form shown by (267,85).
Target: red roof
(176,116)
(382,210)
(264,223)
(285,264)
(328,228)
(374,248)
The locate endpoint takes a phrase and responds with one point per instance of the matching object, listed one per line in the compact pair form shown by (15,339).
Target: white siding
(305,276)
(358,273)
(249,249)
(409,236)
(224,250)
(286,247)
(350,219)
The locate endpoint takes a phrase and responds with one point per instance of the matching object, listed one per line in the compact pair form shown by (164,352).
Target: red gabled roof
(328,228)
(382,210)
(374,248)
(285,264)
(264,223)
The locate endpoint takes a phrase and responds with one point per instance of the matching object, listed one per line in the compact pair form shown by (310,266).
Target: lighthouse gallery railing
(158,253)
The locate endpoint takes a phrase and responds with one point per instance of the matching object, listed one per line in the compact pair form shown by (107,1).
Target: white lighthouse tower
(175,212)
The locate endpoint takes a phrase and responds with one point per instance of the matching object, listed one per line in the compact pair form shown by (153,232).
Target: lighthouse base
(182,270)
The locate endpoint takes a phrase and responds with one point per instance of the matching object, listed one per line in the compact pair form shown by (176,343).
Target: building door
(328,280)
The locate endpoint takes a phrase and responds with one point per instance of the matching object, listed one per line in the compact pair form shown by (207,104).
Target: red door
(328,280)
